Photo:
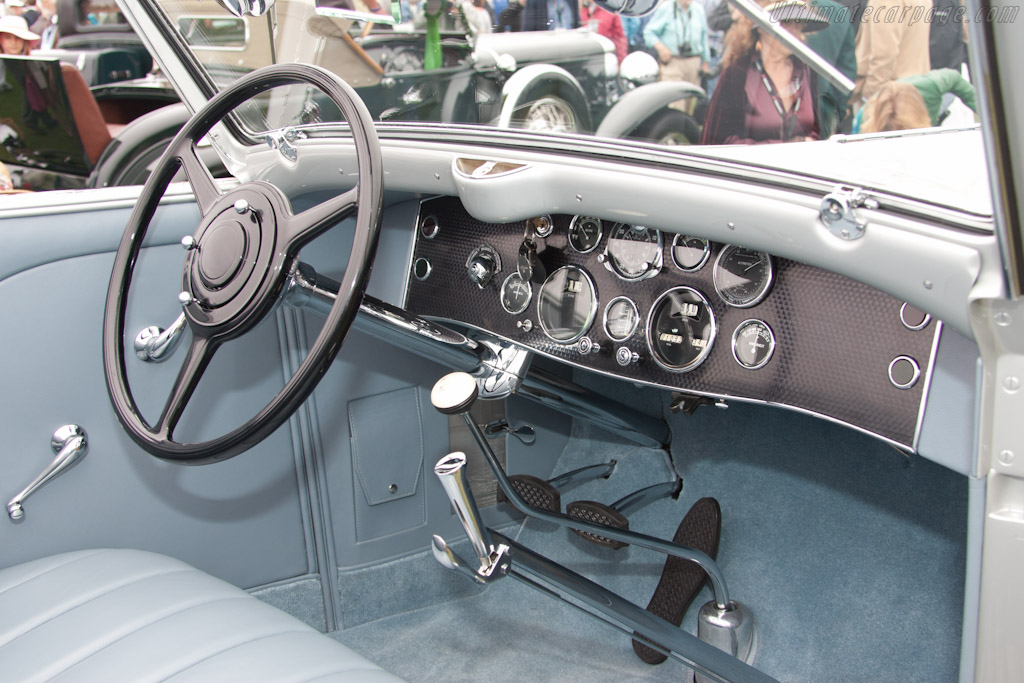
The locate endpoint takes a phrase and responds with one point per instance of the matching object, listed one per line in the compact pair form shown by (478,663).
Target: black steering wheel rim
(257,292)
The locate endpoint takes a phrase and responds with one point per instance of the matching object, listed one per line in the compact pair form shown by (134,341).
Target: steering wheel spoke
(200,353)
(232,271)
(309,224)
(199,177)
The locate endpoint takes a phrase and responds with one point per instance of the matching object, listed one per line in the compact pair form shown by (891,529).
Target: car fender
(144,133)
(637,105)
(531,80)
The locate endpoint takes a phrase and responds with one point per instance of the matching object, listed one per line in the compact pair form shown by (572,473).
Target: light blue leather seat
(128,615)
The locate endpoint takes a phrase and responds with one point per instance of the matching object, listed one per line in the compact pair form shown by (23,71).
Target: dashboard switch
(625,356)
(525,325)
(587,347)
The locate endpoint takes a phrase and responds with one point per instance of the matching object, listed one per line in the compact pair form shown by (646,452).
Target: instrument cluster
(676,311)
(680,327)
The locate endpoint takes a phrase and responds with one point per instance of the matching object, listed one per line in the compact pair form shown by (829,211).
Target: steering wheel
(238,264)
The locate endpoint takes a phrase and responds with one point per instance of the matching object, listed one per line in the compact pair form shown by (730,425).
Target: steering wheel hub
(221,253)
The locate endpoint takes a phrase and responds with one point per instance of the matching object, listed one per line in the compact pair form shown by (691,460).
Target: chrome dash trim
(928,373)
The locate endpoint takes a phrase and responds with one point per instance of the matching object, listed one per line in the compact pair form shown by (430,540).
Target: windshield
(691,73)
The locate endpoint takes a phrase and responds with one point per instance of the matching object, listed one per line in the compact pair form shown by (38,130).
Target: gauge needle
(755,263)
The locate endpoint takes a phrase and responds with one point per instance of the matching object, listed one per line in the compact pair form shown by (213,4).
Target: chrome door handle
(71,444)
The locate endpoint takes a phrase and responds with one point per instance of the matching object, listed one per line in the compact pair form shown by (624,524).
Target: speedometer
(742,276)
(633,251)
(681,329)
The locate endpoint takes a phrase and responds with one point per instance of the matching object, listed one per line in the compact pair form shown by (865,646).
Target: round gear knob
(454,393)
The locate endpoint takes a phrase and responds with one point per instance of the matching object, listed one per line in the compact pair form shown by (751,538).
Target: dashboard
(673,310)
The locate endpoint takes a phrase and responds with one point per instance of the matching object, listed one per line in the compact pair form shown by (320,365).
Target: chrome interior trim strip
(928,372)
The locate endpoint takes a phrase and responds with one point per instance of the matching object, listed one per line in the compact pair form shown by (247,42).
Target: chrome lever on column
(154,345)
(451,471)
(71,444)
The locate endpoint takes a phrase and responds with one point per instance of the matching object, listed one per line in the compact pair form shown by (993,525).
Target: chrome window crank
(71,444)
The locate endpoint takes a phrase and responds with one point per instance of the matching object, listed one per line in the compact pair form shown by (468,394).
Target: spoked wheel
(242,253)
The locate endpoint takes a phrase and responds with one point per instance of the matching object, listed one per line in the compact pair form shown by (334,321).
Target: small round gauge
(567,304)
(690,253)
(681,329)
(633,251)
(742,276)
(515,294)
(753,344)
(620,319)
(542,225)
(584,233)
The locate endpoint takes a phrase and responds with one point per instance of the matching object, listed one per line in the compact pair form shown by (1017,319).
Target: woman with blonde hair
(896,106)
(765,94)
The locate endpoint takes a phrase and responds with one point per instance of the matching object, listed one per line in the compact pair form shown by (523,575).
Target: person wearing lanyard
(678,32)
(765,94)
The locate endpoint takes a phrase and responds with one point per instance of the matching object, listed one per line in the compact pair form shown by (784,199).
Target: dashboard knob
(482,266)
(586,347)
(625,356)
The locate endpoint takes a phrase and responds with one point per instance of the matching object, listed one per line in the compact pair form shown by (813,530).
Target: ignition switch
(482,265)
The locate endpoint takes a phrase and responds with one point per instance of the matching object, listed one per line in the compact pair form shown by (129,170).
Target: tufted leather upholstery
(128,615)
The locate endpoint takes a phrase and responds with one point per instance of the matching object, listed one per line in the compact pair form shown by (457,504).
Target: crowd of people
(907,70)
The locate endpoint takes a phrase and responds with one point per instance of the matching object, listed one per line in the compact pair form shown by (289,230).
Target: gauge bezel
(609,261)
(703,261)
(636,323)
(694,364)
(590,316)
(427,233)
(736,338)
(913,328)
(542,232)
(600,232)
(765,288)
(529,296)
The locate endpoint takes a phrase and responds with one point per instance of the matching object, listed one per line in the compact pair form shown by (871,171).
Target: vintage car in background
(400,398)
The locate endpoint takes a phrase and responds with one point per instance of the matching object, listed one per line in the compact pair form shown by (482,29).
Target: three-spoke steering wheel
(241,256)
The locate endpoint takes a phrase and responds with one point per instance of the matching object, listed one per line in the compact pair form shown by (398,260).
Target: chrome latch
(282,142)
(837,211)
(70,443)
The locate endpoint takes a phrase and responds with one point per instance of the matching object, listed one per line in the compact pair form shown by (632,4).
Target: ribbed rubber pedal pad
(681,580)
(599,513)
(536,492)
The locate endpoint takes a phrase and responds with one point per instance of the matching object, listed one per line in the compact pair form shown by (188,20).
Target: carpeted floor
(849,554)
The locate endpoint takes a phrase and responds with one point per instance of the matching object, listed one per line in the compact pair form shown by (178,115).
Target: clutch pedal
(546,495)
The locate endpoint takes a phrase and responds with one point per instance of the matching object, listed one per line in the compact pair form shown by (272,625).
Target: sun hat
(17,26)
(14,3)
(796,12)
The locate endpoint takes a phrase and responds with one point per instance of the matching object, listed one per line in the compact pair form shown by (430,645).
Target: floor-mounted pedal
(546,495)
(614,515)
(681,580)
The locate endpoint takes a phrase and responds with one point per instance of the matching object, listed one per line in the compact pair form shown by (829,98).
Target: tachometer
(681,329)
(585,233)
(633,251)
(742,276)
(515,294)
(567,304)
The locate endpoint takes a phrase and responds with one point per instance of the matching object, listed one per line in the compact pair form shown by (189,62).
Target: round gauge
(620,319)
(742,276)
(633,251)
(515,294)
(681,329)
(585,233)
(567,304)
(542,225)
(753,344)
(690,253)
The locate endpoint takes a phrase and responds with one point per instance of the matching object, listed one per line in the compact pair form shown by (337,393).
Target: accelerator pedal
(681,580)
(614,515)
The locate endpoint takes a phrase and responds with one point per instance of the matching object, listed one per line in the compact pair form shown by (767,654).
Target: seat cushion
(128,615)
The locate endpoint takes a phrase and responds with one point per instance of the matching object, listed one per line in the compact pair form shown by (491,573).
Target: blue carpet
(849,554)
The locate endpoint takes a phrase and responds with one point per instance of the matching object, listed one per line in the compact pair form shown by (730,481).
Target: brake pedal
(614,515)
(681,580)
(545,495)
